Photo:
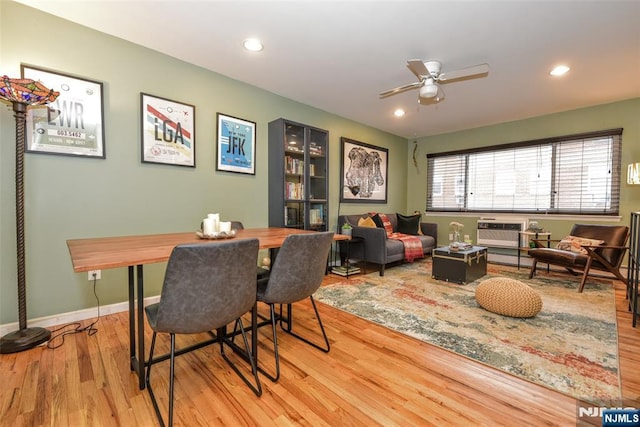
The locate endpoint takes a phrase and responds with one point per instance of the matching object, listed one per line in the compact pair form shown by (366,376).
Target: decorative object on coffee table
(456,226)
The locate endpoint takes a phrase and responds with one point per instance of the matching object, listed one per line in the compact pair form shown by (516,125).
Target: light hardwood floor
(372,376)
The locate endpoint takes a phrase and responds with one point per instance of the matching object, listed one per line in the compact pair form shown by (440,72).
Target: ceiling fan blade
(464,72)
(418,68)
(400,89)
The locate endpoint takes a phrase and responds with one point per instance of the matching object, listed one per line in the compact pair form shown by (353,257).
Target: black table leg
(132,321)
(136,357)
(141,356)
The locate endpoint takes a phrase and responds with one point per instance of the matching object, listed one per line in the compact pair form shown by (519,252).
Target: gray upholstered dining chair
(296,274)
(206,287)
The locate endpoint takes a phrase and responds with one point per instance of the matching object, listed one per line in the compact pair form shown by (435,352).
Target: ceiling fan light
(429,90)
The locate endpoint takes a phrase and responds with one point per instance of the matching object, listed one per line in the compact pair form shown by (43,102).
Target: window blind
(576,174)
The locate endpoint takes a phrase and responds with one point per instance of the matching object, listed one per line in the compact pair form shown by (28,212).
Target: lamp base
(23,339)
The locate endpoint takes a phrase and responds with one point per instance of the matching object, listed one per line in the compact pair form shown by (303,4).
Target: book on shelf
(343,271)
(315,149)
(315,216)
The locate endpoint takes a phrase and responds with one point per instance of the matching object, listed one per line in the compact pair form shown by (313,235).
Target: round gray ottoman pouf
(509,297)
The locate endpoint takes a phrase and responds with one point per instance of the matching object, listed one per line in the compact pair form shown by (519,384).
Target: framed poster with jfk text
(236,145)
(168,131)
(73,124)
(363,172)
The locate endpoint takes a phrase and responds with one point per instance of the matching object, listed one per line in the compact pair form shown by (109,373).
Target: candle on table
(208,227)
(225,227)
(216,221)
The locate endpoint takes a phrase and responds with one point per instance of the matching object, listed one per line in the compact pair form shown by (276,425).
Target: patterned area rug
(570,346)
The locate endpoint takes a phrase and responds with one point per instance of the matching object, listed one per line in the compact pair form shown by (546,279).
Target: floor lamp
(21,93)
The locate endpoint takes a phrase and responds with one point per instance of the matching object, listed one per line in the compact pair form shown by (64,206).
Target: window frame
(460,159)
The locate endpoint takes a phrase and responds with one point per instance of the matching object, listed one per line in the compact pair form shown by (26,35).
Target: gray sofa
(377,248)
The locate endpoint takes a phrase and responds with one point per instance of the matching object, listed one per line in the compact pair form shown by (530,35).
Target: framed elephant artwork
(363,172)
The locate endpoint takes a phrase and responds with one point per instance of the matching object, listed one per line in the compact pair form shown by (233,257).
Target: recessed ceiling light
(253,45)
(399,112)
(559,70)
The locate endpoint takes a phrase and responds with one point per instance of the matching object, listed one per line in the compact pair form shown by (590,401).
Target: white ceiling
(338,55)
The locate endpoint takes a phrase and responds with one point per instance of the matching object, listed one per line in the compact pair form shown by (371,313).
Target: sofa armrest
(375,243)
(430,229)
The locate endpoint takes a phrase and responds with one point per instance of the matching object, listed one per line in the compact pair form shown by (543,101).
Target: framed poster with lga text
(236,145)
(73,124)
(168,131)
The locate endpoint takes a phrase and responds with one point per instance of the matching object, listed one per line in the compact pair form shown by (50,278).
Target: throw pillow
(575,243)
(408,224)
(377,220)
(366,222)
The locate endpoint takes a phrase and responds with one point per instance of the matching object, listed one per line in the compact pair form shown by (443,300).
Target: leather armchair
(605,257)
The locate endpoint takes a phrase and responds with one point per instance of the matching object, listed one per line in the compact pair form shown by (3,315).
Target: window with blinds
(575,174)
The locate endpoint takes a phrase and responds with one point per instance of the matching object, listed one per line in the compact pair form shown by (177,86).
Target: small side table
(535,235)
(354,240)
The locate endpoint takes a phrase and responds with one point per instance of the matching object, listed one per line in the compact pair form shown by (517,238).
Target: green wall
(73,197)
(623,114)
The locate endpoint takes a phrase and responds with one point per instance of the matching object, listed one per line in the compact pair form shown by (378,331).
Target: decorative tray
(459,247)
(217,235)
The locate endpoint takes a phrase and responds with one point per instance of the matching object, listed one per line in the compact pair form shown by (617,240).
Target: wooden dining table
(135,251)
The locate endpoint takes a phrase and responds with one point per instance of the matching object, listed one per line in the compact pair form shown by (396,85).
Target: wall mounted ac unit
(500,233)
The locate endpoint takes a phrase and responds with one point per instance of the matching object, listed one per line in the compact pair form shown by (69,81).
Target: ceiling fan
(430,77)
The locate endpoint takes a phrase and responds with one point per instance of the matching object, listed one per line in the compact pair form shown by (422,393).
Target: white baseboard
(74,316)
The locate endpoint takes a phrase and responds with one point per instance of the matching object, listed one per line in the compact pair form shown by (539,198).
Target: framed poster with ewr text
(73,124)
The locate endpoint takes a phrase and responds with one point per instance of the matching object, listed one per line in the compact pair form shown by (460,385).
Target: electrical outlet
(98,274)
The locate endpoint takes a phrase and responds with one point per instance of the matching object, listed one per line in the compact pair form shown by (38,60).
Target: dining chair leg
(148,381)
(272,315)
(171,380)
(288,329)
(257,388)
(172,366)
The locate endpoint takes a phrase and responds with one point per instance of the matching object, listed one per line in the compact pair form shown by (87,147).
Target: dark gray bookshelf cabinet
(298,176)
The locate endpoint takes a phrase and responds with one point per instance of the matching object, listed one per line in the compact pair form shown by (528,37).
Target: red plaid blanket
(412,244)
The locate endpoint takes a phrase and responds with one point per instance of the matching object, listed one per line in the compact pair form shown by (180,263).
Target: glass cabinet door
(298,178)
(294,163)
(317,180)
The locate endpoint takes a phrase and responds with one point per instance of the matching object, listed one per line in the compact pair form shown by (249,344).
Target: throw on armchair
(379,249)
